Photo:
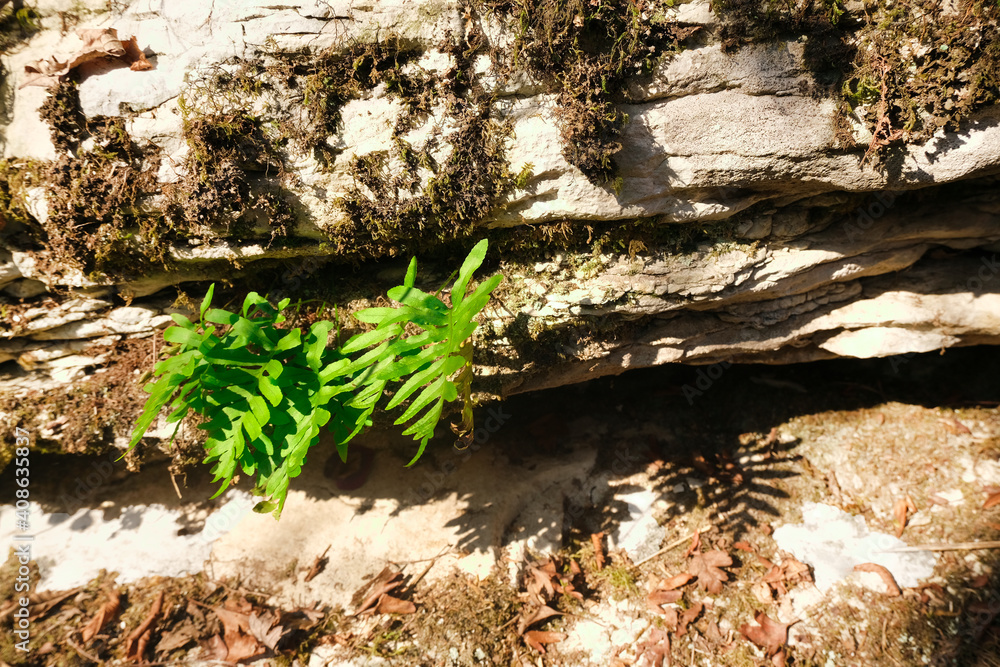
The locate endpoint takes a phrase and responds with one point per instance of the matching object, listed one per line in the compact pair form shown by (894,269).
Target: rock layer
(800,251)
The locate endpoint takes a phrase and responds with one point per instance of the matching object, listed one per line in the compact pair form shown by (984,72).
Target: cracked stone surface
(832,258)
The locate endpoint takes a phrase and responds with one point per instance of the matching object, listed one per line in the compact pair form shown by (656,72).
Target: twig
(672,545)
(176,489)
(79,649)
(956,546)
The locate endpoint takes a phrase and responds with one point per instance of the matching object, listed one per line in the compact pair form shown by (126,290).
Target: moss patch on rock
(585,51)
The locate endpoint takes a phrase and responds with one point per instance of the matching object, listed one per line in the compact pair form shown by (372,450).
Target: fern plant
(265,392)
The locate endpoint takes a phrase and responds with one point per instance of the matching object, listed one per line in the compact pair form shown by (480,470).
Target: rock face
(748,211)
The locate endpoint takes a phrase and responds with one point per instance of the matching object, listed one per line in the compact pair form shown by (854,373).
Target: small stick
(672,545)
(956,546)
(79,649)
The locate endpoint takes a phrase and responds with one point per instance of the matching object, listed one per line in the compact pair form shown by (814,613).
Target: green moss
(17,25)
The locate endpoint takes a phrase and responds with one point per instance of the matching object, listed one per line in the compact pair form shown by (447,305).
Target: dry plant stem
(83,653)
(957,546)
(672,545)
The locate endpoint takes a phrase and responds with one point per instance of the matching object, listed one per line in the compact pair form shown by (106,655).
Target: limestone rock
(745,225)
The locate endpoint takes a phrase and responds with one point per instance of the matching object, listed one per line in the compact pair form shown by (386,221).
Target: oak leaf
(707,568)
(655,650)
(687,617)
(537,639)
(769,635)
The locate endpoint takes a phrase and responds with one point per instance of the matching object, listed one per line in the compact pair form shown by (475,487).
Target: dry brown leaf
(135,56)
(537,639)
(954,426)
(743,546)
(386,581)
(695,544)
(675,581)
(655,650)
(266,629)
(104,615)
(318,565)
(390,605)
(903,506)
(763,592)
(769,635)
(539,614)
(706,568)
(237,640)
(980,581)
(992,501)
(687,617)
(658,597)
(892,589)
(670,618)
(135,644)
(40,604)
(98,43)
(177,637)
(597,539)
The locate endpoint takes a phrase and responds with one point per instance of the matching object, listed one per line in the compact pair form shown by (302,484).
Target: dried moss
(903,68)
(87,416)
(586,50)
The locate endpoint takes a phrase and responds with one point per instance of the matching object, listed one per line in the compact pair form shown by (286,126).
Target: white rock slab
(833,542)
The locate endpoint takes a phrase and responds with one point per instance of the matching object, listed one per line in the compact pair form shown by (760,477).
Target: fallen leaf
(992,501)
(237,639)
(538,614)
(390,605)
(537,639)
(743,546)
(107,612)
(266,629)
(670,618)
(892,589)
(40,604)
(695,544)
(177,637)
(135,644)
(903,507)
(98,44)
(687,617)
(135,56)
(318,565)
(780,658)
(597,540)
(980,581)
(675,581)
(655,650)
(706,568)
(954,426)
(384,582)
(763,592)
(658,597)
(769,635)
